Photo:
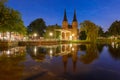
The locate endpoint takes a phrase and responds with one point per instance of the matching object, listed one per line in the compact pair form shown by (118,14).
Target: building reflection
(12,52)
(115,44)
(70,56)
(83,53)
(36,53)
(11,63)
(114,51)
(65,62)
(74,56)
(71,53)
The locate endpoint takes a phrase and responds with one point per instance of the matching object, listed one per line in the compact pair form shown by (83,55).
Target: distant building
(69,32)
(7,36)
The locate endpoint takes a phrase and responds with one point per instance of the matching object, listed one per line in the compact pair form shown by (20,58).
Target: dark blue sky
(101,12)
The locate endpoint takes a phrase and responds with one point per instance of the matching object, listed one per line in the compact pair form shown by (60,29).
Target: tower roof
(65,16)
(74,17)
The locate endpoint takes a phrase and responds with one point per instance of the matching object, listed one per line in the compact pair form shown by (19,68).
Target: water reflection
(100,47)
(10,61)
(12,52)
(22,62)
(36,53)
(115,51)
(71,53)
(66,51)
(91,54)
(115,45)
(85,54)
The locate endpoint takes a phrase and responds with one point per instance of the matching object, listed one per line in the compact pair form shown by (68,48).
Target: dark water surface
(61,62)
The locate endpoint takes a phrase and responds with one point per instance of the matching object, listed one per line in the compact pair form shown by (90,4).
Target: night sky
(101,12)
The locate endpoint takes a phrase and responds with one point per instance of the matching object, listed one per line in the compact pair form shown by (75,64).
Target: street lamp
(73,49)
(73,34)
(51,34)
(35,34)
(70,37)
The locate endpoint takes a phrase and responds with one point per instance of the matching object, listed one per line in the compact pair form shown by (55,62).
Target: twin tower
(71,30)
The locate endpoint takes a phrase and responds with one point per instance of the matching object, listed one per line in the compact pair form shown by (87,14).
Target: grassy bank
(8,43)
(24,43)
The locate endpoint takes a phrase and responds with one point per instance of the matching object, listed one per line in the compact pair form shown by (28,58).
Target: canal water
(61,62)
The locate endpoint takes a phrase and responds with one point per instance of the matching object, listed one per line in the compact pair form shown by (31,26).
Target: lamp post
(35,35)
(70,37)
(51,34)
(73,36)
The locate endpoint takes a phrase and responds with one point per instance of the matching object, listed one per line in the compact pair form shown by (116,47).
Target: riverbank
(52,42)
(8,43)
(22,43)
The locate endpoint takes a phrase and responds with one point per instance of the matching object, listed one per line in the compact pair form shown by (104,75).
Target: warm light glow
(113,44)
(73,34)
(73,49)
(51,34)
(35,50)
(51,52)
(8,52)
(117,46)
(35,34)
(70,37)
(70,45)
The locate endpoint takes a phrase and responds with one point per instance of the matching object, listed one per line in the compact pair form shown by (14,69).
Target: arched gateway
(69,33)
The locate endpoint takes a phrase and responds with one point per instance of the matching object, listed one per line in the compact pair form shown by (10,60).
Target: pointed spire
(74,18)
(65,17)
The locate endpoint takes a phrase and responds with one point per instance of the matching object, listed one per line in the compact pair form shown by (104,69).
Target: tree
(82,35)
(114,29)
(90,29)
(100,32)
(51,29)
(37,26)
(2,3)
(106,34)
(10,20)
(3,15)
(15,23)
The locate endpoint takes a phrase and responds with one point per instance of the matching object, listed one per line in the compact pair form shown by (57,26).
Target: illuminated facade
(11,36)
(69,32)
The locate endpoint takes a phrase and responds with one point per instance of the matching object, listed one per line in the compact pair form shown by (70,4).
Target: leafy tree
(37,26)
(100,32)
(82,35)
(51,29)
(15,23)
(106,34)
(3,15)
(114,28)
(10,20)
(90,29)
(2,3)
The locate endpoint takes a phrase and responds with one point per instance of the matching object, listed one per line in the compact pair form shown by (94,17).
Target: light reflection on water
(59,62)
